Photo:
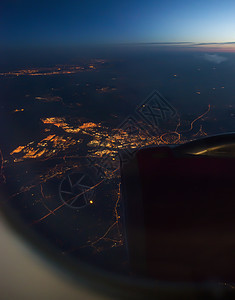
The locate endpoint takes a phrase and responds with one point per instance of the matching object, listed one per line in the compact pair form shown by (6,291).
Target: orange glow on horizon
(214,47)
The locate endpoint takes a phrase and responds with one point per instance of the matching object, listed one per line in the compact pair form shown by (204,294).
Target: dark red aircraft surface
(179,209)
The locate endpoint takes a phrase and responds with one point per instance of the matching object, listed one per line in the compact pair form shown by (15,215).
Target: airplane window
(117,144)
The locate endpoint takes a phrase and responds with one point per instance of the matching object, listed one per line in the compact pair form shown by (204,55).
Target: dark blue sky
(75,22)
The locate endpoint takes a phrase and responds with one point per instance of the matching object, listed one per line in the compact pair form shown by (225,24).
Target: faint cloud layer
(215,58)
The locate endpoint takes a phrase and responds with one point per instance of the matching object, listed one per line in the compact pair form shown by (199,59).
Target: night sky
(74,22)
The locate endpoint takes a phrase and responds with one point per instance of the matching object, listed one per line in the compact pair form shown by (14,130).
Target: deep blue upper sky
(75,22)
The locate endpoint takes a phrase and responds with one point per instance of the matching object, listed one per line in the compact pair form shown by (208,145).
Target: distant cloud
(226,43)
(215,58)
